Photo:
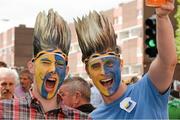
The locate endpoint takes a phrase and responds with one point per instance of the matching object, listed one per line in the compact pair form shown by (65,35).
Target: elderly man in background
(8,80)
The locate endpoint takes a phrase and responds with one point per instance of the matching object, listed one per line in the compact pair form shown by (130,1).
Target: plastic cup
(154,3)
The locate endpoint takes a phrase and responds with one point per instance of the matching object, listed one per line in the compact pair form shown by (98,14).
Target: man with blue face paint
(146,99)
(49,66)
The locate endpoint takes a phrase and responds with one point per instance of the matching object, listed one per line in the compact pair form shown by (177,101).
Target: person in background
(134,79)
(26,80)
(51,44)
(75,92)
(148,98)
(3,64)
(174,102)
(96,98)
(8,81)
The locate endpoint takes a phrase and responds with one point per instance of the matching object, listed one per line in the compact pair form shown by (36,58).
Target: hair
(134,79)
(51,32)
(9,72)
(78,84)
(3,64)
(95,34)
(28,73)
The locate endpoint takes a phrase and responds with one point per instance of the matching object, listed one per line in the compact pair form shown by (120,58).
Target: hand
(165,9)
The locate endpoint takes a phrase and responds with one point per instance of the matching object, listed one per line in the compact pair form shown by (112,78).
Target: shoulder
(72,113)
(13,102)
(145,85)
(144,82)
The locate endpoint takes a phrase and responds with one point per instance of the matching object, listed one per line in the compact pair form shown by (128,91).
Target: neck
(26,89)
(47,104)
(109,99)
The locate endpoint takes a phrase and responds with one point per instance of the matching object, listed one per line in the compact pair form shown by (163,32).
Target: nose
(102,70)
(52,68)
(21,80)
(7,87)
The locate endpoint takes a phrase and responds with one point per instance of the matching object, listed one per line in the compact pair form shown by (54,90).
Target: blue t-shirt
(150,104)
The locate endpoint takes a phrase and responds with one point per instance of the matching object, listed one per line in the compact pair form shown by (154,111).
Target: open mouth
(50,84)
(107,83)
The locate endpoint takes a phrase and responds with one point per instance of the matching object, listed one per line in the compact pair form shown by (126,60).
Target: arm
(162,68)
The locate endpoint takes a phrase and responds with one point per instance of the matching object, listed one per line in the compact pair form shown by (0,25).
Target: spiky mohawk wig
(95,34)
(51,32)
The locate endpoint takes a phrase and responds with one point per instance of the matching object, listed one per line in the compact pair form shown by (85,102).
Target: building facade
(16,46)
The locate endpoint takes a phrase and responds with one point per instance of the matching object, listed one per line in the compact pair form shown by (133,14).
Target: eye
(96,66)
(3,84)
(10,84)
(109,63)
(111,53)
(60,63)
(61,94)
(46,62)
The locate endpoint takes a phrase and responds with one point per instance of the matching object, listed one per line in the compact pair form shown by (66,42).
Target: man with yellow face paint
(147,98)
(49,66)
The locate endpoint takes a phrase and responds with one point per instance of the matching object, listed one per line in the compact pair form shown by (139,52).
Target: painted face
(50,70)
(104,70)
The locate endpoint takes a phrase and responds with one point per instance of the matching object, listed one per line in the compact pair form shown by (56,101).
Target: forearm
(162,68)
(166,41)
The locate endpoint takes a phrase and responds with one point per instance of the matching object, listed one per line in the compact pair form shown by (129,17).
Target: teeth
(52,79)
(106,80)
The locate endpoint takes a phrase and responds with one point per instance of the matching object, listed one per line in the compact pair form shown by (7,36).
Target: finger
(169,6)
(172,1)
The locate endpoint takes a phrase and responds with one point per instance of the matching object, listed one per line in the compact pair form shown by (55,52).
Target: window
(139,14)
(136,32)
(123,35)
(74,48)
(139,52)
(126,70)
(118,20)
(137,69)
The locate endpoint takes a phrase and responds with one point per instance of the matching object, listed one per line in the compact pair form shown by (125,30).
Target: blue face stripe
(61,71)
(44,92)
(113,71)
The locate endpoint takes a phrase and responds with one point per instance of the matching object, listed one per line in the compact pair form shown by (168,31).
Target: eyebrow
(58,52)
(45,59)
(60,61)
(96,55)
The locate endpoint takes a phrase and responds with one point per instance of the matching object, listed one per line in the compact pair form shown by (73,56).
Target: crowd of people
(42,91)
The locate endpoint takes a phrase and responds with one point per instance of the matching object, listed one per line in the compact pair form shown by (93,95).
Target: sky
(15,12)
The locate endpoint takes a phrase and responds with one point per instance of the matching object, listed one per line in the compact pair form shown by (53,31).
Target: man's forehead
(50,52)
(7,78)
(101,57)
(104,54)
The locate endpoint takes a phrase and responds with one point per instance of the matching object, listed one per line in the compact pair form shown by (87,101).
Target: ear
(121,63)
(76,99)
(77,96)
(86,68)
(30,66)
